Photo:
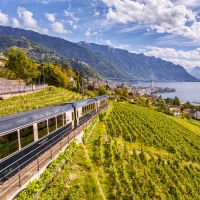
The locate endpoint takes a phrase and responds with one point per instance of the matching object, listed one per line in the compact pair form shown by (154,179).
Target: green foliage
(88,130)
(47,97)
(148,155)
(102,91)
(23,67)
(80,66)
(35,188)
(55,75)
(7,74)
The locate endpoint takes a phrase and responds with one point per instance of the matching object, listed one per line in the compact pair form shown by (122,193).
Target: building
(175,110)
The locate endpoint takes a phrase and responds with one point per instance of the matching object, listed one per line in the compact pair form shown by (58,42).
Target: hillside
(101,64)
(141,66)
(145,156)
(40,54)
(81,66)
(50,96)
(195,72)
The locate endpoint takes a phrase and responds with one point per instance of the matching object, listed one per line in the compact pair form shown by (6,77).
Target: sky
(168,29)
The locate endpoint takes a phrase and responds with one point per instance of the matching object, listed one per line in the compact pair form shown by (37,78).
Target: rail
(24,173)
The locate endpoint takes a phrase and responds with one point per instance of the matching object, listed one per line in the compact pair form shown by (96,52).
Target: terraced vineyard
(133,153)
(47,97)
(146,156)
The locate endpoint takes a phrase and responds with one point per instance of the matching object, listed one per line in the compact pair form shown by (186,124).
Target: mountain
(33,50)
(141,66)
(81,66)
(104,66)
(195,72)
(40,54)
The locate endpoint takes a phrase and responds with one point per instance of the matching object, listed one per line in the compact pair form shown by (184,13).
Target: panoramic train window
(59,121)
(52,124)
(42,128)
(77,114)
(65,118)
(8,144)
(72,116)
(26,136)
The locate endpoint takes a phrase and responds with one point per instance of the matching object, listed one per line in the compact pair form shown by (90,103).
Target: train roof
(15,121)
(78,104)
(100,97)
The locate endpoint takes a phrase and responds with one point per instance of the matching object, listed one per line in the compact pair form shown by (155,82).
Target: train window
(42,128)
(8,144)
(59,121)
(26,136)
(65,118)
(73,116)
(82,110)
(52,124)
(77,114)
(6,126)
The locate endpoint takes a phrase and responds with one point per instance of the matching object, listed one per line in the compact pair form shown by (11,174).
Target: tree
(23,67)
(102,90)
(55,75)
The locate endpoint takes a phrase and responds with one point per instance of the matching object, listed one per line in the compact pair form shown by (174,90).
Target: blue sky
(169,29)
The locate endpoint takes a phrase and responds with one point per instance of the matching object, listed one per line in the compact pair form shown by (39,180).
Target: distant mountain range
(107,61)
(139,65)
(194,72)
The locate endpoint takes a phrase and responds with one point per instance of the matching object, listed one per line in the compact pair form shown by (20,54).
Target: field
(132,153)
(48,97)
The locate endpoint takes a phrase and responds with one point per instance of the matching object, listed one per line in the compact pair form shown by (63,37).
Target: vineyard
(48,97)
(132,152)
(146,156)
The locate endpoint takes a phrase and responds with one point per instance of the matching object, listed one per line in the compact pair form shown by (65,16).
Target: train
(26,135)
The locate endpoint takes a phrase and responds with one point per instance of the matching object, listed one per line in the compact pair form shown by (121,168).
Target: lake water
(186,91)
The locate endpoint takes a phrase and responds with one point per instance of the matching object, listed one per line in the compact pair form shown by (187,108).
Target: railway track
(11,187)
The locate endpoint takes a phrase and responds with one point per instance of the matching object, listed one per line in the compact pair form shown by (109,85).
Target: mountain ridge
(108,61)
(71,50)
(141,66)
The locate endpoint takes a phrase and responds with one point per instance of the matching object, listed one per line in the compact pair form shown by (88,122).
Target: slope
(105,67)
(141,66)
(40,54)
(196,72)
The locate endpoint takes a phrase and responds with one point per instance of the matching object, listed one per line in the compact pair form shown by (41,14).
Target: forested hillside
(40,54)
(71,50)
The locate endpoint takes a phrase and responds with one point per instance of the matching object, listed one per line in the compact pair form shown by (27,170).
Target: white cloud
(3,18)
(88,34)
(71,14)
(190,3)
(74,27)
(108,42)
(71,22)
(27,18)
(50,17)
(96,13)
(162,16)
(15,23)
(186,59)
(58,28)
(44,30)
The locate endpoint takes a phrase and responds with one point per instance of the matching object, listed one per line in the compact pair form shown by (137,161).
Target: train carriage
(24,136)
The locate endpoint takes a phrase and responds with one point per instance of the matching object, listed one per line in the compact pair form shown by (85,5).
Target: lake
(186,91)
